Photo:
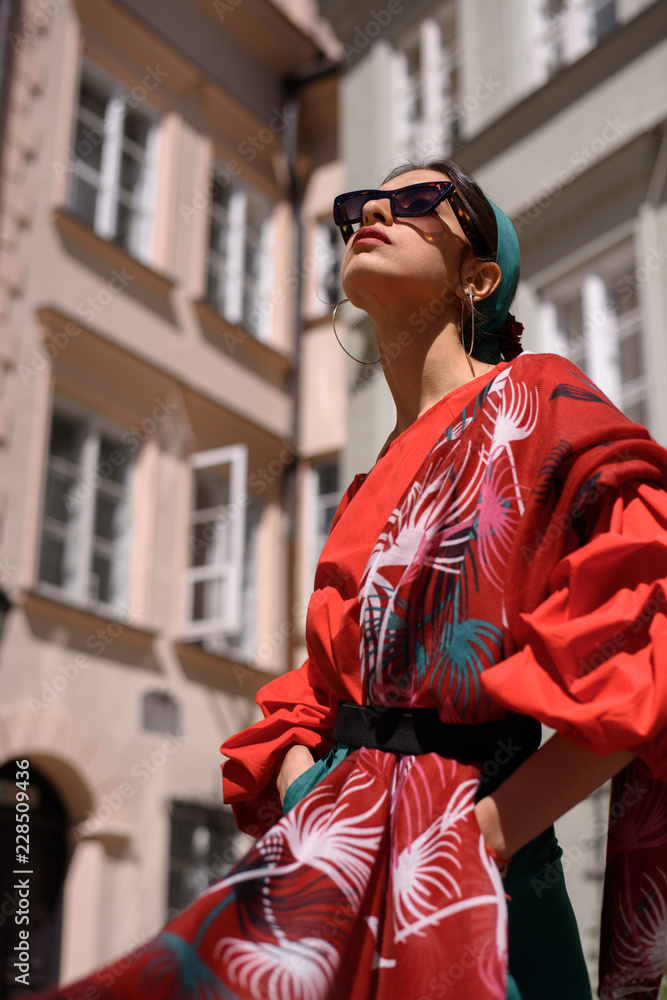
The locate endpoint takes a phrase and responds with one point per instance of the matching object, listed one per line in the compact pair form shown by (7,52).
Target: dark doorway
(43,888)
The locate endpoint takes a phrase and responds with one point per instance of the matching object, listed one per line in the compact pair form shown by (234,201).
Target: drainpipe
(9,11)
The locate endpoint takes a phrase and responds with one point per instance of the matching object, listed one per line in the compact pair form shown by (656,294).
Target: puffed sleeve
(299,708)
(591,659)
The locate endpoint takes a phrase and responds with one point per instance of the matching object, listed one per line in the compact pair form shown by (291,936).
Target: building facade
(558,107)
(165,181)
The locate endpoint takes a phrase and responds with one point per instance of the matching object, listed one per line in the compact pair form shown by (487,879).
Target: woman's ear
(482,277)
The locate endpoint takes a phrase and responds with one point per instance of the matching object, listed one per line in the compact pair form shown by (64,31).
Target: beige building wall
(130,344)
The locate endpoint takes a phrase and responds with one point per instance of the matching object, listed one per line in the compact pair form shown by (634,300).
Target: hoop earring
(472,338)
(333,323)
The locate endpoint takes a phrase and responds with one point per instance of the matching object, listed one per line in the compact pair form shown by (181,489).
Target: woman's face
(418,256)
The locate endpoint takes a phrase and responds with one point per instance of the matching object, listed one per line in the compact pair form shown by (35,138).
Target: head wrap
(493,318)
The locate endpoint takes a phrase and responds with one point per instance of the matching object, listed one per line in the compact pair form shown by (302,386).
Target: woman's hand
(297,760)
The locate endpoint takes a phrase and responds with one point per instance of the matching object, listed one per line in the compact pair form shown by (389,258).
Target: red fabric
(300,706)
(592,656)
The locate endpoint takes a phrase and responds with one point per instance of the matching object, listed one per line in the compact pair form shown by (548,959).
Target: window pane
(83,200)
(202,851)
(124,226)
(208,599)
(113,460)
(211,490)
(605,18)
(137,127)
(88,144)
(327,478)
(636,411)
(631,359)
(93,98)
(131,173)
(623,292)
(211,542)
(52,561)
(61,500)
(100,580)
(66,439)
(160,713)
(217,236)
(106,517)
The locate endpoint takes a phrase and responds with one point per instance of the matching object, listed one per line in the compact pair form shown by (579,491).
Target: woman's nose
(376,210)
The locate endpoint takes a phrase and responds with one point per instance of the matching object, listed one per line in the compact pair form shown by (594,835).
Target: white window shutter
(215,583)
(107,202)
(401,101)
(143,227)
(266,277)
(235,255)
(603,361)
(540,37)
(431,75)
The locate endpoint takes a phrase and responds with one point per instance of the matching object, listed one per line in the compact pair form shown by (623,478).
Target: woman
(497,566)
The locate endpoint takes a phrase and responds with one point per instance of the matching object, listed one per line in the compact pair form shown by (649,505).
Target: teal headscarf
(494,309)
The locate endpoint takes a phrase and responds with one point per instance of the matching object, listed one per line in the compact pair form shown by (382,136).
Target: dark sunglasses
(413,200)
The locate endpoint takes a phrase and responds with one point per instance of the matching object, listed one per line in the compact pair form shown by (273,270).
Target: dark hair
(486,347)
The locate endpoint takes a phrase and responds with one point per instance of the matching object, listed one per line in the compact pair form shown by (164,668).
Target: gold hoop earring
(333,323)
(468,291)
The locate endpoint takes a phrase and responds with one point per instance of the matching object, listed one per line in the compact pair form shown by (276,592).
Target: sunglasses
(406,202)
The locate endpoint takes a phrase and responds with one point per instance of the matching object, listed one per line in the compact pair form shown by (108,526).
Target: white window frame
(317,502)
(562,38)
(602,327)
(228,571)
(328,255)
(432,79)
(79,540)
(235,282)
(107,181)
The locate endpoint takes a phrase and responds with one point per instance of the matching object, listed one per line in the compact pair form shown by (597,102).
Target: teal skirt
(545,957)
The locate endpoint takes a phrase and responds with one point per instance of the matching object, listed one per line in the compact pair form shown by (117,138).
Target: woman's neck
(423,367)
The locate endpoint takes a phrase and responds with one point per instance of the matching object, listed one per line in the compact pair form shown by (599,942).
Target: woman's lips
(370,234)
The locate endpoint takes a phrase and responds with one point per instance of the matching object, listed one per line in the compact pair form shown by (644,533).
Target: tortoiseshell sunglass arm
(463,215)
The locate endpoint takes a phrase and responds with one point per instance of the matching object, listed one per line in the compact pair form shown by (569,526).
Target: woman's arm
(554,779)
(297,760)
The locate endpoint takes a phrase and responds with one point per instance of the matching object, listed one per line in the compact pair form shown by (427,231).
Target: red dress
(507,552)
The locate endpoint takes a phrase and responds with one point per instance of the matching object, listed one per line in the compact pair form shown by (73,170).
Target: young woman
(501,565)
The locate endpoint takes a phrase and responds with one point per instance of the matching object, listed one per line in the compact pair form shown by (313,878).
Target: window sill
(48,605)
(80,236)
(241,345)
(220,672)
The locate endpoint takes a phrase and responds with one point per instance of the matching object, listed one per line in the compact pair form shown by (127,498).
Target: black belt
(499,746)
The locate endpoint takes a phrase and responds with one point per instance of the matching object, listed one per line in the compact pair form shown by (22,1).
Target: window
(205,843)
(424,79)
(594,318)
(112,180)
(239,257)
(85,527)
(217,543)
(160,713)
(564,31)
(326,496)
(329,249)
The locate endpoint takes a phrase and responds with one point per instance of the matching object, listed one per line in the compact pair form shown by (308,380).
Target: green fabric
(512,988)
(307,781)
(493,310)
(545,953)
(545,956)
